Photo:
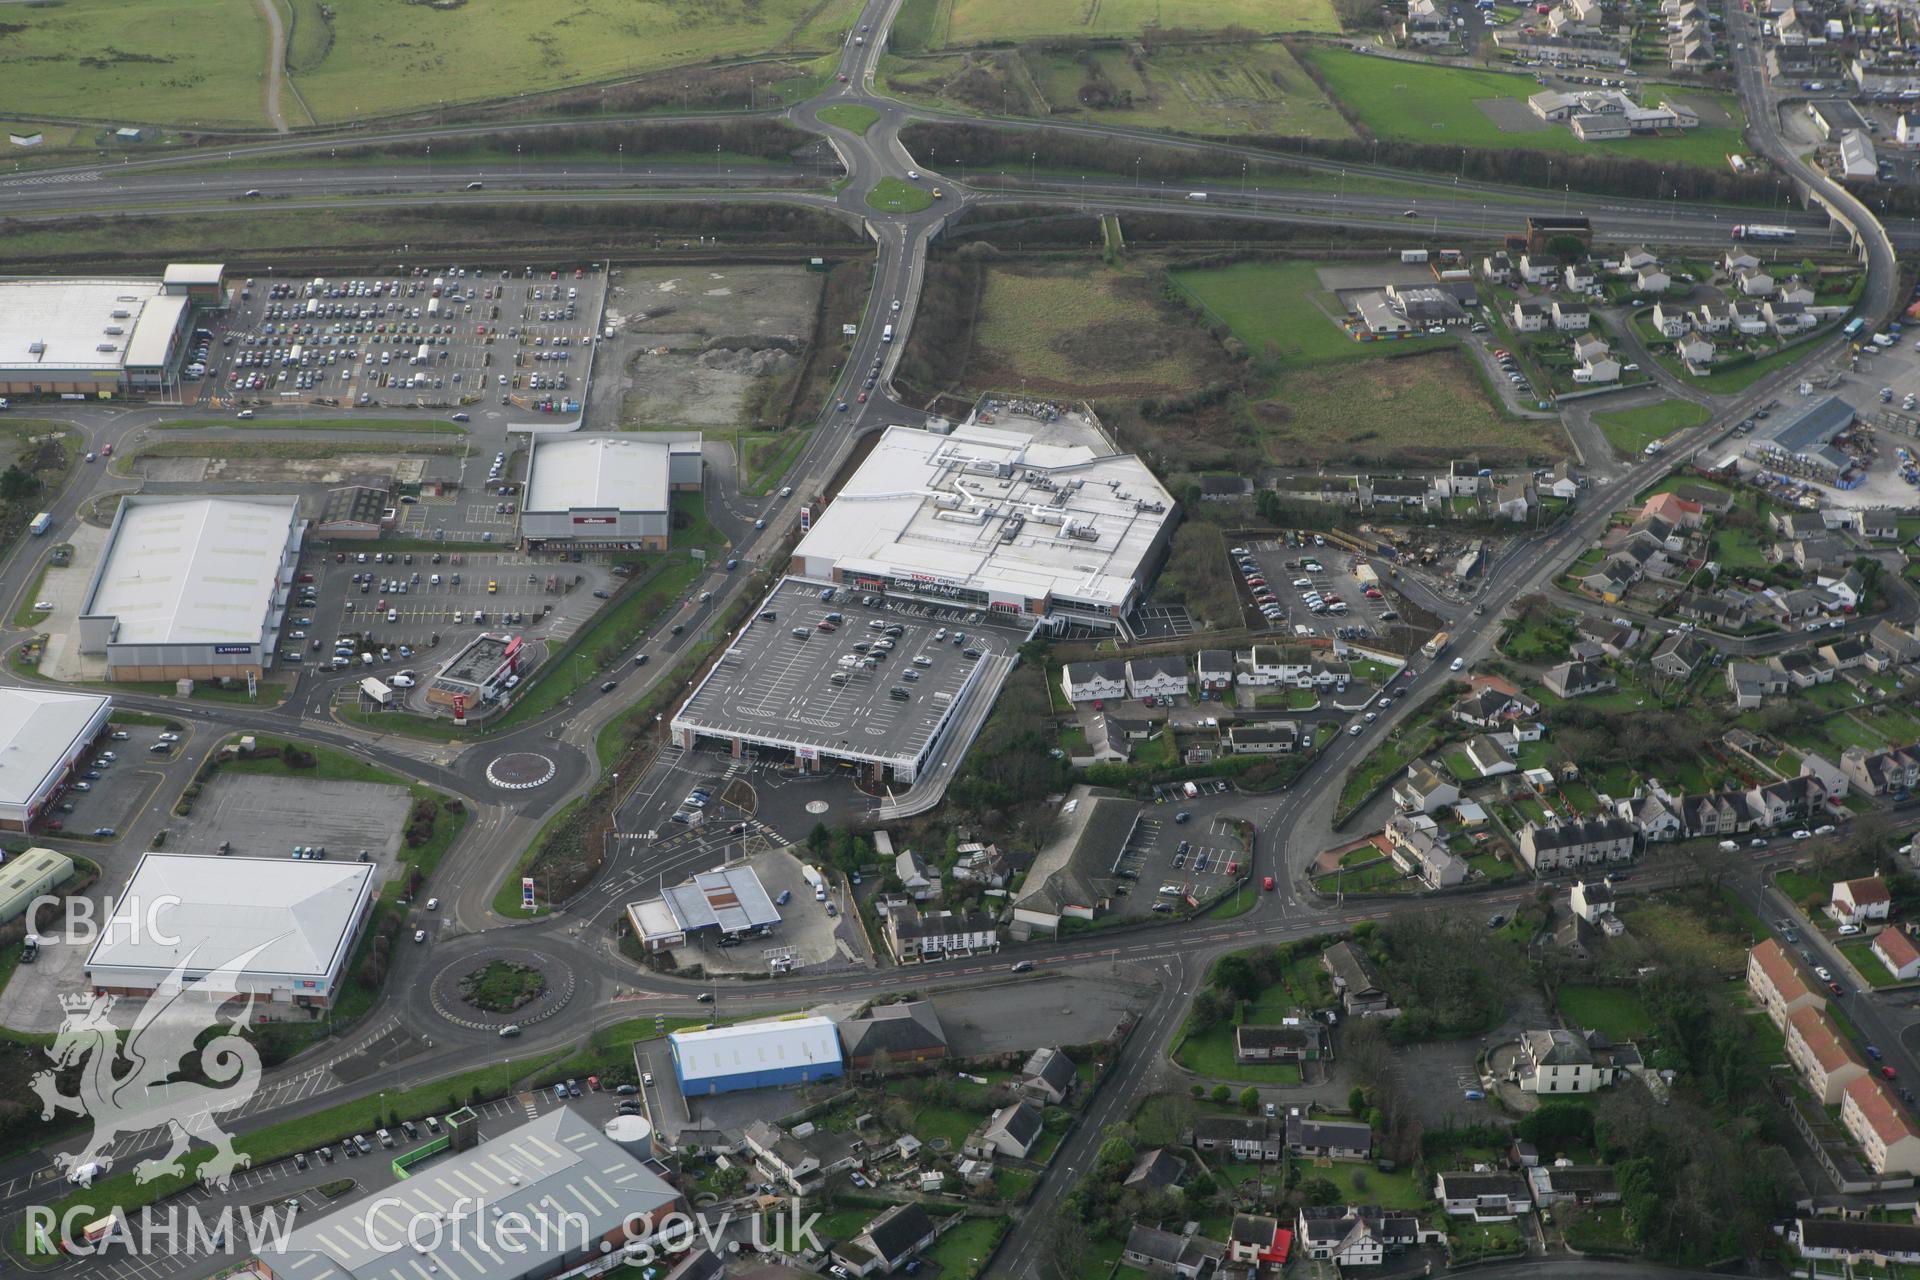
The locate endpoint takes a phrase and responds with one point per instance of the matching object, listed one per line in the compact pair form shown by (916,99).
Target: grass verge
(1630,431)
(849,116)
(891,195)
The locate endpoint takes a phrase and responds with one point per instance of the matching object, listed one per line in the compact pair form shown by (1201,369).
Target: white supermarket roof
(71,324)
(599,473)
(39,732)
(217,909)
(990,508)
(194,570)
(152,337)
(756,1046)
(194,273)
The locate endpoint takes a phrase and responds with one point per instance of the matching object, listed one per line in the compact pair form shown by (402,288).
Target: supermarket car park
(431,337)
(1189,853)
(419,606)
(1282,584)
(105,795)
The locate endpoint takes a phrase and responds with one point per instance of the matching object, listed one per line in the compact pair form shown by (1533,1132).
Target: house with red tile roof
(1825,1061)
(1675,510)
(1778,982)
(1858,901)
(1896,951)
(1884,1131)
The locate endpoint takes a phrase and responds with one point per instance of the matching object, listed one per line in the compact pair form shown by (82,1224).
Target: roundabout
(517,985)
(521,770)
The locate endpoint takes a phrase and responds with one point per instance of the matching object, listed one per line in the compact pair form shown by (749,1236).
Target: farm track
(276,63)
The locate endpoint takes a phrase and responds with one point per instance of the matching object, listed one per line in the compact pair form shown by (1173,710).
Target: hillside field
(1216,90)
(1334,400)
(1422,103)
(943,23)
(191,61)
(202,62)
(1083,331)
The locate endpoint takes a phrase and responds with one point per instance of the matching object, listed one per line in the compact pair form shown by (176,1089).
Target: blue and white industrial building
(756,1055)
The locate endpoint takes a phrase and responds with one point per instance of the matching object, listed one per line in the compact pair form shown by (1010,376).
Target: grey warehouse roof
(557,1172)
(38,730)
(602,472)
(1815,424)
(302,914)
(192,571)
(732,899)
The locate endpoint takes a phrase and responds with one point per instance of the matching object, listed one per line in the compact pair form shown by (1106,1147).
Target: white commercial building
(995,519)
(607,490)
(755,1055)
(100,336)
(1858,159)
(45,736)
(192,587)
(731,901)
(289,926)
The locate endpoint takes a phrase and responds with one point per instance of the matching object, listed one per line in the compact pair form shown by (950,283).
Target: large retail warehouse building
(607,491)
(192,587)
(99,337)
(995,519)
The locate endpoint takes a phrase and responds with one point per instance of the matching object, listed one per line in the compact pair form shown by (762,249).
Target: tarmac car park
(1302,590)
(410,610)
(434,336)
(1175,855)
(112,782)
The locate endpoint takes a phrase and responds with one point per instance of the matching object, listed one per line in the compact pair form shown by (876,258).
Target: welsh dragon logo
(129,1089)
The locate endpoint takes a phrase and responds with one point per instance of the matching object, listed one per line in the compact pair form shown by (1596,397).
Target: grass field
(1728,382)
(1277,308)
(1632,430)
(388,57)
(765,457)
(1414,408)
(1217,90)
(1423,409)
(203,61)
(1083,330)
(979,21)
(892,195)
(1869,965)
(961,1252)
(1613,1010)
(850,116)
(193,61)
(1440,104)
(262,230)
(1680,932)
(1210,1054)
